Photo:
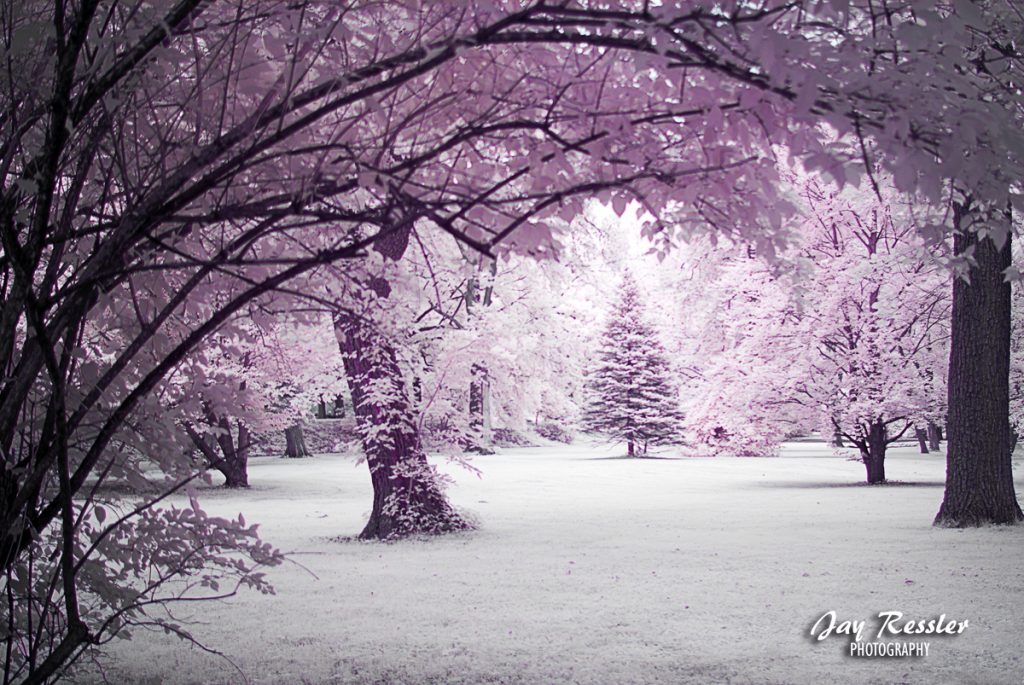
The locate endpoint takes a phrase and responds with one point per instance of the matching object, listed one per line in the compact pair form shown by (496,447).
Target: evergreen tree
(631,394)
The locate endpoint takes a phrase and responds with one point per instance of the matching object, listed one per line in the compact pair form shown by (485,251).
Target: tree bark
(873,452)
(934,436)
(479,411)
(223,453)
(478,389)
(295,442)
(408,497)
(979,479)
(922,440)
(630,450)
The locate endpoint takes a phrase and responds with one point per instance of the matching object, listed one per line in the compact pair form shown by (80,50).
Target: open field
(590,569)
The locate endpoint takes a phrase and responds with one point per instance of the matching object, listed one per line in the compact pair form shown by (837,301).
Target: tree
(876,325)
(979,475)
(261,379)
(408,495)
(737,327)
(632,395)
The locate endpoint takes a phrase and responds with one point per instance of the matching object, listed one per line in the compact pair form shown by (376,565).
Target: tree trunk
(479,410)
(873,452)
(630,451)
(295,442)
(979,479)
(837,439)
(236,469)
(934,436)
(408,497)
(222,453)
(922,439)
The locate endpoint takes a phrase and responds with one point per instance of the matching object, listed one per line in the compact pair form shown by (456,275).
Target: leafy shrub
(553,431)
(506,437)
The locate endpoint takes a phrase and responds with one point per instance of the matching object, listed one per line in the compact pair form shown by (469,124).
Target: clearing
(594,569)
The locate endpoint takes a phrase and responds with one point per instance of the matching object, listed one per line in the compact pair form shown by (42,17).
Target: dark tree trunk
(979,479)
(922,439)
(407,495)
(336,409)
(934,436)
(236,470)
(477,398)
(479,409)
(873,452)
(295,442)
(630,450)
(224,454)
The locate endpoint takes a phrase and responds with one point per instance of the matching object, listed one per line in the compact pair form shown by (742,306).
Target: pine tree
(632,397)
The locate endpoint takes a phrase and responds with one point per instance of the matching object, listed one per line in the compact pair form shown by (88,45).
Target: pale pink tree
(265,377)
(738,324)
(876,327)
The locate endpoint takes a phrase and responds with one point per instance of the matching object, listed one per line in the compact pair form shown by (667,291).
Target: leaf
(619,203)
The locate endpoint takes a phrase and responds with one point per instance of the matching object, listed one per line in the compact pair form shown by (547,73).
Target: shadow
(625,458)
(801,485)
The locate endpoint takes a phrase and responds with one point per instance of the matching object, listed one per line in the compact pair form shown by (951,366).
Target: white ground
(595,570)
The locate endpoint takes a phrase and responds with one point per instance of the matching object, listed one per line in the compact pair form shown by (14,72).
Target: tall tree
(979,475)
(408,494)
(633,397)
(876,321)
(736,318)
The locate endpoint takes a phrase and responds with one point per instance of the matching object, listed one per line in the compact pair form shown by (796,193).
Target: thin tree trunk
(630,451)
(478,419)
(407,494)
(873,453)
(934,436)
(295,442)
(922,439)
(479,411)
(979,478)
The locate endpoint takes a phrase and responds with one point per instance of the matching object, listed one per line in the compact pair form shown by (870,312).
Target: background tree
(735,316)
(875,320)
(632,395)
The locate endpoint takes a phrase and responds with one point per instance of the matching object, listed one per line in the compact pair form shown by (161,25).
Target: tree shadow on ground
(628,458)
(810,485)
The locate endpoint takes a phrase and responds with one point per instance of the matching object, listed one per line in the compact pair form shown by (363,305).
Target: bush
(506,437)
(553,431)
